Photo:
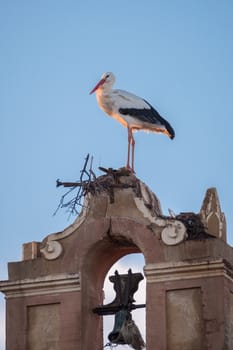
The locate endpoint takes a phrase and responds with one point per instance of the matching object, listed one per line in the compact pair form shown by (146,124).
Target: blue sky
(176,54)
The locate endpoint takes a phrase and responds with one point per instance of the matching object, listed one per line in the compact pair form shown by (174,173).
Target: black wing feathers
(148,115)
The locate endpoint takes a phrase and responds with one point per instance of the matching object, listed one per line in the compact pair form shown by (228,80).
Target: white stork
(131,111)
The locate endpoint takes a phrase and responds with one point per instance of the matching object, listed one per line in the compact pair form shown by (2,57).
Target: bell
(116,336)
(125,331)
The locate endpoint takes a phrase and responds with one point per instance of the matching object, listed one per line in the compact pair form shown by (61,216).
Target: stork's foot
(130,169)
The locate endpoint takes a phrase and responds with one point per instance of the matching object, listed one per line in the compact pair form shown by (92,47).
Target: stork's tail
(158,118)
(170,131)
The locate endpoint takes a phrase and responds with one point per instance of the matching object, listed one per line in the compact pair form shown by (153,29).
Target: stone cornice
(173,271)
(50,284)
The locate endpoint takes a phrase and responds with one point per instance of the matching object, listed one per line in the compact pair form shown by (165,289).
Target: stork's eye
(107,76)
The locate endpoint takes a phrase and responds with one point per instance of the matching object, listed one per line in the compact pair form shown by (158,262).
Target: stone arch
(124,236)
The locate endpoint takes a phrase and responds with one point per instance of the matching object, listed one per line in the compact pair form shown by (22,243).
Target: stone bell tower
(52,292)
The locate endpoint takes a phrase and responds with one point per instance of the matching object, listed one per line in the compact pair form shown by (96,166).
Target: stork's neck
(104,94)
(104,99)
(104,91)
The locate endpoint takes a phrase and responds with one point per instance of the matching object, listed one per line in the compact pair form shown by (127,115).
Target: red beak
(101,82)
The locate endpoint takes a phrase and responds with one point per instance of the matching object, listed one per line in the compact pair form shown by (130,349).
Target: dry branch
(82,186)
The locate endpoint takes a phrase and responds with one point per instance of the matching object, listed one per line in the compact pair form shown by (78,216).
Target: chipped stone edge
(146,200)
(52,248)
(174,231)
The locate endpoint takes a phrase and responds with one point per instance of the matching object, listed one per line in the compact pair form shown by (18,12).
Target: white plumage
(131,111)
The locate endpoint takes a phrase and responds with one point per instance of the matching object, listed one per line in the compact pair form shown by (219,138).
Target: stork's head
(106,82)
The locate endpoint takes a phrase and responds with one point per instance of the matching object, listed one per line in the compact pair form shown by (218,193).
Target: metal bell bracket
(125,286)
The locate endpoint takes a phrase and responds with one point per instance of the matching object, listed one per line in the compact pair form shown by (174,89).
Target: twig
(68,184)
(83,185)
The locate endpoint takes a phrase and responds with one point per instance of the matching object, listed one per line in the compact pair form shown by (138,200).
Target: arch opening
(135,262)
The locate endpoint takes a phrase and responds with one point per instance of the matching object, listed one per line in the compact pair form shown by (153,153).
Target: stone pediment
(119,194)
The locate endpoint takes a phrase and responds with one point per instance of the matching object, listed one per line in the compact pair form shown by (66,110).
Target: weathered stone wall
(185,324)
(50,295)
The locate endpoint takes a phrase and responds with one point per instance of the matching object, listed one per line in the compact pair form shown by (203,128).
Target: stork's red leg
(129,143)
(133,144)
